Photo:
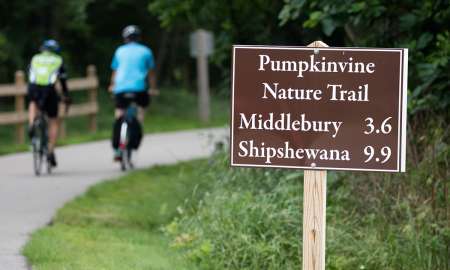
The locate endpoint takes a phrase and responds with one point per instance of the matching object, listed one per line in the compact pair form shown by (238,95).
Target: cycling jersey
(131,62)
(44,70)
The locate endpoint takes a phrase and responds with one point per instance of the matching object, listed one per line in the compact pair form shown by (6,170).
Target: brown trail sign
(318,108)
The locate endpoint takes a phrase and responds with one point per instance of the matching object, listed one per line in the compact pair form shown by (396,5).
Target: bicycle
(39,143)
(39,139)
(125,147)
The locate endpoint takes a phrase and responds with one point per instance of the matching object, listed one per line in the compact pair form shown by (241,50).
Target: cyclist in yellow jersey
(45,69)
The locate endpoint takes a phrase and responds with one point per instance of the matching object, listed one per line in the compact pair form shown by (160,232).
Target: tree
(232,22)
(420,26)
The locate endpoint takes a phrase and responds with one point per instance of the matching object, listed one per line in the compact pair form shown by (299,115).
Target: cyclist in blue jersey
(133,71)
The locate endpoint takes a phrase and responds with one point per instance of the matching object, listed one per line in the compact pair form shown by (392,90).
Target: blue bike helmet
(50,45)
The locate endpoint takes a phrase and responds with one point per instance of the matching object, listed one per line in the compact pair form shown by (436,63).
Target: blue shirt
(132,62)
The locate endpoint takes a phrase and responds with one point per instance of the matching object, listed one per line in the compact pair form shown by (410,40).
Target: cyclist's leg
(32,112)
(51,108)
(143,101)
(141,114)
(33,108)
(137,127)
(121,103)
(53,129)
(118,113)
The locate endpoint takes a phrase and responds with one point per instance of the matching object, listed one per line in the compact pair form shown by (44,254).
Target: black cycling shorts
(45,97)
(123,100)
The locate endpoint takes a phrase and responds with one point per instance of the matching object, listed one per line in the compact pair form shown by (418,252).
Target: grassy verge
(117,224)
(248,219)
(174,109)
(251,219)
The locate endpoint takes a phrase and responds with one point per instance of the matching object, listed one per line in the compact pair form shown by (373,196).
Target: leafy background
(396,221)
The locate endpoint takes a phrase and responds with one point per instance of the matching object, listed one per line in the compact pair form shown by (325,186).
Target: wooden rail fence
(19,116)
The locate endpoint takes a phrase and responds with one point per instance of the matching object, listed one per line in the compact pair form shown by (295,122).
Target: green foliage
(232,22)
(420,26)
(248,221)
(251,219)
(88,30)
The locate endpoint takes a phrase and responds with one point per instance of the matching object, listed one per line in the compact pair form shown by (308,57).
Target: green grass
(117,224)
(208,216)
(251,219)
(174,109)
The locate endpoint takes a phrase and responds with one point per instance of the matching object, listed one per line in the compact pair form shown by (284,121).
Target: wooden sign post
(314,213)
(318,108)
(314,219)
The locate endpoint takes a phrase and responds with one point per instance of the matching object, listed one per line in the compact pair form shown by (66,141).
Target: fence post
(20,105)
(92,74)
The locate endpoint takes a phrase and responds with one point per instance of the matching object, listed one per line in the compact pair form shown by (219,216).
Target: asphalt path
(28,202)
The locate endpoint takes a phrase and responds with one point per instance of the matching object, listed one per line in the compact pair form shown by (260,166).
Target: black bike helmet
(50,45)
(131,32)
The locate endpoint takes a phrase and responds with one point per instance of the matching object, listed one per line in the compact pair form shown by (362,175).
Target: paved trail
(28,202)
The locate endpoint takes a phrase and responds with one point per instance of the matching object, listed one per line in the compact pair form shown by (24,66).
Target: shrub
(251,219)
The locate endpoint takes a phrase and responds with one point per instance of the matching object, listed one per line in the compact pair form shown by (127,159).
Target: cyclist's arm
(111,84)
(152,82)
(151,75)
(114,66)
(63,80)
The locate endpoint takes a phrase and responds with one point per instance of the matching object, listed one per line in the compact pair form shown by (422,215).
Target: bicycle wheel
(36,144)
(44,143)
(49,166)
(129,160)
(37,157)
(123,143)
(124,160)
